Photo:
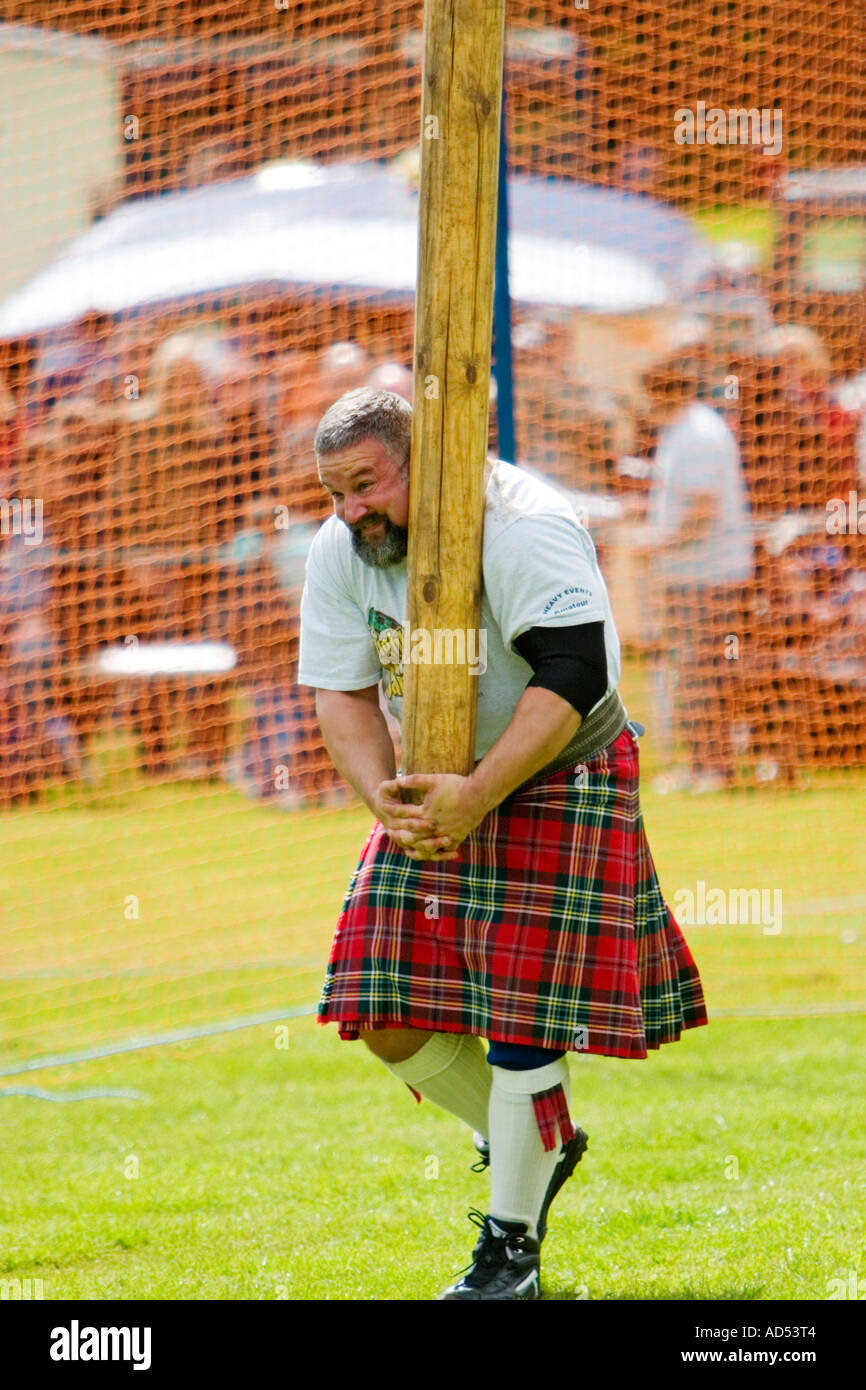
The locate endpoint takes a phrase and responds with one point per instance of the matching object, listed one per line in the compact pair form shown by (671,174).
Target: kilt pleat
(550,929)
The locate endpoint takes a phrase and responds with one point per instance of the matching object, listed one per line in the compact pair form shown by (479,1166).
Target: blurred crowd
(730,462)
(175,477)
(175,482)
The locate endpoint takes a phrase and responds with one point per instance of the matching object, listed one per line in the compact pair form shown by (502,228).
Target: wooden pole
(460,113)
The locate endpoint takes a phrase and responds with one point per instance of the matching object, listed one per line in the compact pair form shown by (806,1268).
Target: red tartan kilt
(550,929)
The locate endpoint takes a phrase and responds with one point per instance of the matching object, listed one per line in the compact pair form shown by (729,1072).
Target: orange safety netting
(161,444)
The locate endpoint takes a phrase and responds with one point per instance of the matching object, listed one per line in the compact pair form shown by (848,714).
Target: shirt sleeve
(337,649)
(541,572)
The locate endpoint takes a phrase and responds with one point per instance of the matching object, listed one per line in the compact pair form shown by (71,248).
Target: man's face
(372,497)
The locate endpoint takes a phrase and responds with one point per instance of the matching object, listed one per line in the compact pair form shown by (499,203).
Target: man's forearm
(541,726)
(357,739)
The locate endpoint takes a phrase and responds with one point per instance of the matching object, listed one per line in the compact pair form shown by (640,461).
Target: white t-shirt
(697,455)
(539,569)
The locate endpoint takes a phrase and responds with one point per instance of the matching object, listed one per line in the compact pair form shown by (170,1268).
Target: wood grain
(462,92)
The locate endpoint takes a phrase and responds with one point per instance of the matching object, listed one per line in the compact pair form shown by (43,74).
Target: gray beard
(391,550)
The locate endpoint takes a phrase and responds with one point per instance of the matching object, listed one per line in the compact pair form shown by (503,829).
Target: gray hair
(367,414)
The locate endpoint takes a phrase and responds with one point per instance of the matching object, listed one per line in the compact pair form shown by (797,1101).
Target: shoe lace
(486,1255)
(478,1218)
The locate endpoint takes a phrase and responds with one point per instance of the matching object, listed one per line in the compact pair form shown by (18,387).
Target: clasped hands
(435,826)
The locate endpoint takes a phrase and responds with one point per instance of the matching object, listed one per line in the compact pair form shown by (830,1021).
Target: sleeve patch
(578,595)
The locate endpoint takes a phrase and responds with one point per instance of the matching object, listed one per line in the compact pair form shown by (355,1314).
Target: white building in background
(61,143)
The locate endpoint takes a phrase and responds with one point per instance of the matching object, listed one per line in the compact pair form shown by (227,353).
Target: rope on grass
(179,1035)
(757,1015)
(95,1093)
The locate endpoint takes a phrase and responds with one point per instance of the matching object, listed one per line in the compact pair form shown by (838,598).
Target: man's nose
(354,509)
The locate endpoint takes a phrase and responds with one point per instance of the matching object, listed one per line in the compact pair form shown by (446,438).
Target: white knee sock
(451,1070)
(520,1167)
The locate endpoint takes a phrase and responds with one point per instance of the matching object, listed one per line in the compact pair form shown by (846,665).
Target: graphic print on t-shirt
(387,634)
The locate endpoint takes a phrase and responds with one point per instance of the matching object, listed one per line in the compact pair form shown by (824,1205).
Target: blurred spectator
(850,394)
(292,389)
(823,588)
(38,741)
(310,384)
(10,432)
(269,557)
(251,444)
(177,498)
(74,361)
(812,698)
(819,454)
(342,367)
(703,559)
(391,376)
(18,357)
(730,298)
(188,443)
(572,430)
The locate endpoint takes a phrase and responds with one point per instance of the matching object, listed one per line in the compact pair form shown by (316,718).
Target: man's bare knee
(395,1044)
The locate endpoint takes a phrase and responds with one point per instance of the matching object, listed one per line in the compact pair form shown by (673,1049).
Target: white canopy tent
(353,227)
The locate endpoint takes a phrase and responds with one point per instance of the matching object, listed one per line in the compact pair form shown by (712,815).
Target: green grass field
(729,1165)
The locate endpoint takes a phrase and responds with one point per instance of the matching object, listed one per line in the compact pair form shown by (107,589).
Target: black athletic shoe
(571,1153)
(505,1264)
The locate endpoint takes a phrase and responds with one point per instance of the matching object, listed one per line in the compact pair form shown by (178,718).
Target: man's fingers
(430,847)
(432,854)
(418,781)
(409,812)
(413,781)
(408,839)
(406,810)
(404,838)
(412,818)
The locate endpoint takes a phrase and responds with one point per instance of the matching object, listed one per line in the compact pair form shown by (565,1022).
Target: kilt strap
(599,730)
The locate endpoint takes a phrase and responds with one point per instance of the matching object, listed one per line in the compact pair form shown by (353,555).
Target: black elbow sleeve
(570,661)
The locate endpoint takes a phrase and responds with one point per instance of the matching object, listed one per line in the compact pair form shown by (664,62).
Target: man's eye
(364,487)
